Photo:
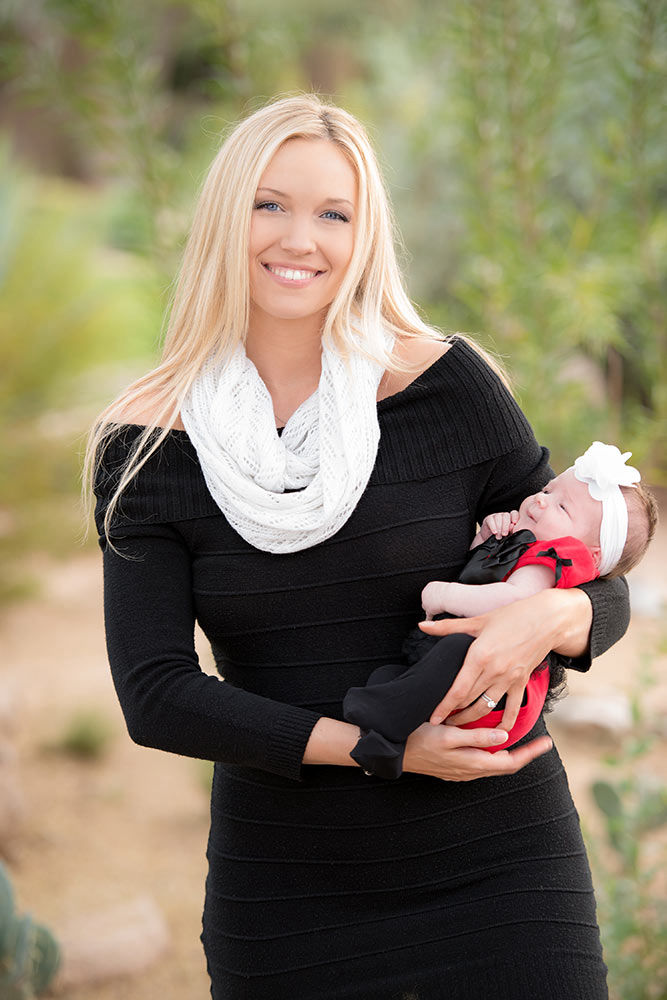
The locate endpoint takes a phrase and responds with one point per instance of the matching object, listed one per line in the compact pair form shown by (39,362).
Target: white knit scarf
(326,452)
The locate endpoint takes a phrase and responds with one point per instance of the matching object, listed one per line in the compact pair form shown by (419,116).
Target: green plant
(72,307)
(633,914)
(86,735)
(29,954)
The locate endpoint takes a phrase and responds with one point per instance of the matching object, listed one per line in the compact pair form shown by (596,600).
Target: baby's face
(564,507)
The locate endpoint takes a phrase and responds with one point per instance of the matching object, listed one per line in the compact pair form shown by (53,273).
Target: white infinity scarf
(326,452)
(602,467)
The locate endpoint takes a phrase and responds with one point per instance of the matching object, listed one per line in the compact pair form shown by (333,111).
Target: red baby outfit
(573,564)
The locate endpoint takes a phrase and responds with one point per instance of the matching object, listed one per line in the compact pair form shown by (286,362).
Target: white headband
(602,467)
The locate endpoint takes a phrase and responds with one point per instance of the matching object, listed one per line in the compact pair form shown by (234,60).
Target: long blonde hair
(211,304)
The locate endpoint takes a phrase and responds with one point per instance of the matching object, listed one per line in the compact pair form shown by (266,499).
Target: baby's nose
(540,499)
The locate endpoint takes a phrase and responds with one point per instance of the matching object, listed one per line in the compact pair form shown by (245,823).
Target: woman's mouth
(292,275)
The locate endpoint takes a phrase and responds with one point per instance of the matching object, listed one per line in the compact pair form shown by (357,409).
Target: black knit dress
(325,883)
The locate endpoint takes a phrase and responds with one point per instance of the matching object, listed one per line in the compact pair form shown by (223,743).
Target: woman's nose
(298,237)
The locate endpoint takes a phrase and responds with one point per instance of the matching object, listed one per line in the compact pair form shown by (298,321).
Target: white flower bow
(603,467)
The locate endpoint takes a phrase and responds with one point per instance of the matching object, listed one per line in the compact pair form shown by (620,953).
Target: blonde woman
(284,477)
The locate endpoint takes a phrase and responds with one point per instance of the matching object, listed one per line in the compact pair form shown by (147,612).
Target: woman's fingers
(477,710)
(462,695)
(510,761)
(459,697)
(482,672)
(458,754)
(450,626)
(454,737)
(512,706)
(481,707)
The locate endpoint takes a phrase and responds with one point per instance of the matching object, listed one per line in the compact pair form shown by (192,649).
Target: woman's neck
(287,355)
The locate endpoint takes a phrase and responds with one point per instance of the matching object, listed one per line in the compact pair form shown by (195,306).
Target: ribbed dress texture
(325,883)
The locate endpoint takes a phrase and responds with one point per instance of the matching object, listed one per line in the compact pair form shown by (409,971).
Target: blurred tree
(71,310)
(528,142)
(524,141)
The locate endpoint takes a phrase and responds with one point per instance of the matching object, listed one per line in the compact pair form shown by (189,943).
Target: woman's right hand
(455,754)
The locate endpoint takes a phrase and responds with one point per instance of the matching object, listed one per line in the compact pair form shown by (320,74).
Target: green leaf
(607,799)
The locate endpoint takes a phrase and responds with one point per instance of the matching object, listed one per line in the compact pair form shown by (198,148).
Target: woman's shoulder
(414,355)
(457,371)
(168,484)
(457,410)
(142,411)
(125,432)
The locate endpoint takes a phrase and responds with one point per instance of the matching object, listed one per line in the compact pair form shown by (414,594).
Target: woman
(302,553)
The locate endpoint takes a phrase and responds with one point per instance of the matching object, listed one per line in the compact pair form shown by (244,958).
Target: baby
(591,520)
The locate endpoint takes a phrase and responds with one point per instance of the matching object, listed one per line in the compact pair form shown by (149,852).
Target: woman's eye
(270,206)
(332,214)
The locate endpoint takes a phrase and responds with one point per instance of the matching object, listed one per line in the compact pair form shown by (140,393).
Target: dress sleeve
(168,701)
(507,481)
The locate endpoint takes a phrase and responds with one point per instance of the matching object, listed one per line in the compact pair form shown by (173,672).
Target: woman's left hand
(509,643)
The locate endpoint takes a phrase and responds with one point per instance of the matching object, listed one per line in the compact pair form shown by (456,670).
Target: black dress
(323,882)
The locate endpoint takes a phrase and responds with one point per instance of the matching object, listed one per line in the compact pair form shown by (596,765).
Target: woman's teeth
(290,274)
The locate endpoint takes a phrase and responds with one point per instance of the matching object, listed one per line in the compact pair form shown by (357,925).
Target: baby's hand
(433,597)
(500,524)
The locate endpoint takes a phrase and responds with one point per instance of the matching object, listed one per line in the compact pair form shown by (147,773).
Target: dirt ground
(134,823)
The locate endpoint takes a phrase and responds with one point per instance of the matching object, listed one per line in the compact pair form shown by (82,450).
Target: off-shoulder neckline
(416,383)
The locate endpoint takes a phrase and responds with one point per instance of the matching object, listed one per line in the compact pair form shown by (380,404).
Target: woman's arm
(445,752)
(168,702)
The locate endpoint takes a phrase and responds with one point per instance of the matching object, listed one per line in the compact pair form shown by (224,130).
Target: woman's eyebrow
(339,201)
(281,194)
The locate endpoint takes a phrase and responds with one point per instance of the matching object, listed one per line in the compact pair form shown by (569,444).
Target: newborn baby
(591,520)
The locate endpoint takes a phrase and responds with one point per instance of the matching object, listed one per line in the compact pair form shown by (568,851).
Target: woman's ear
(597,555)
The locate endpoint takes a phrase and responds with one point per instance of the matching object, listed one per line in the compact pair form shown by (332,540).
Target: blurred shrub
(87,735)
(29,953)
(72,310)
(629,881)
(526,142)
(69,302)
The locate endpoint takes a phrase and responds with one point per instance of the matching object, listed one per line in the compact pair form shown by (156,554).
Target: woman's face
(302,231)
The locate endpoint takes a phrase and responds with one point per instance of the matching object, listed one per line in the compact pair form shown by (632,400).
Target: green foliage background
(524,143)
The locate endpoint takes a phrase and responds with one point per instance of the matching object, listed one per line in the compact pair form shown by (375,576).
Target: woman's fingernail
(436,720)
(499,736)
